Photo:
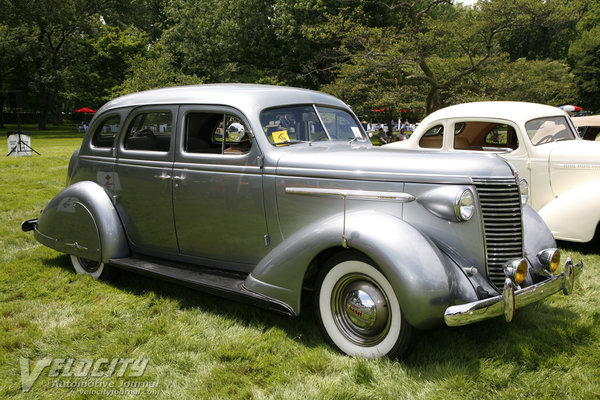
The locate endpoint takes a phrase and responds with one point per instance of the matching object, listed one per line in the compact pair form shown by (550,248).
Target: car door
(144,172)
(218,192)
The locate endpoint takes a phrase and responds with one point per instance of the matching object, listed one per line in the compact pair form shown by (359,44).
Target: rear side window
(433,138)
(104,135)
(150,131)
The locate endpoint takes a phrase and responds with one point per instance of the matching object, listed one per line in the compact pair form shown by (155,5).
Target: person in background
(382,136)
(402,135)
(364,125)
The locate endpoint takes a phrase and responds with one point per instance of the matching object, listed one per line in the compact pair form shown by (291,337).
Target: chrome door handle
(162,176)
(178,178)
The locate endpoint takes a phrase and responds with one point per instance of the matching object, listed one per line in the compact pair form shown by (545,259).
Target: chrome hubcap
(360,309)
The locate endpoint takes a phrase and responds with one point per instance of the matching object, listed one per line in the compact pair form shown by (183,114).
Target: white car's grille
(501,210)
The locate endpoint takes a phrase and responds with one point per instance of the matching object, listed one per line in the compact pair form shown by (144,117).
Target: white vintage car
(541,142)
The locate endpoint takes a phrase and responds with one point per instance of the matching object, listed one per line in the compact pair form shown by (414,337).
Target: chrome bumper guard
(510,300)
(29,225)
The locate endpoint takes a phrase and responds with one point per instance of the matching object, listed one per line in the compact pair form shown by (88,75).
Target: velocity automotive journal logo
(89,374)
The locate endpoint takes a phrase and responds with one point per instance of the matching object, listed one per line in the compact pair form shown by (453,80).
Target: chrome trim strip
(577,166)
(476,311)
(352,194)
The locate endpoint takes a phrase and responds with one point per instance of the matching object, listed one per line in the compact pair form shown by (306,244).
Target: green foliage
(584,56)
(396,54)
(237,41)
(153,70)
(108,52)
(537,81)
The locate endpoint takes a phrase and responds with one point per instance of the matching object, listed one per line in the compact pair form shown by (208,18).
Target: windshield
(550,129)
(308,123)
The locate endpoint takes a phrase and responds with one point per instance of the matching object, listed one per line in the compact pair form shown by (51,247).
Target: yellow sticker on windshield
(280,137)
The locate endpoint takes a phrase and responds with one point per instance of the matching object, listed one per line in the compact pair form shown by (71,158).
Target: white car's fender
(581,204)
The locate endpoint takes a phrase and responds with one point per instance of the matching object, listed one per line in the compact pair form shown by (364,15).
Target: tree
(584,57)
(108,51)
(241,40)
(50,28)
(151,70)
(538,81)
(12,52)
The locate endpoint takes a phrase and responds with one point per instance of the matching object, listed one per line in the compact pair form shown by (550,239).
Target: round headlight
(465,205)
(523,190)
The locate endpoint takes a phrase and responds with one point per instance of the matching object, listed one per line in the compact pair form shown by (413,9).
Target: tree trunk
(432,102)
(43,121)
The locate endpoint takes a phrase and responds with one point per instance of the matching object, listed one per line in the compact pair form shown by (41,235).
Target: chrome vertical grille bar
(501,210)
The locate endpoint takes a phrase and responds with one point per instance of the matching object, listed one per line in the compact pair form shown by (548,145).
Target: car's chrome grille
(501,209)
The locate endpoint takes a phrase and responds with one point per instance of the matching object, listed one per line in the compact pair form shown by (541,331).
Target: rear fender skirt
(81,220)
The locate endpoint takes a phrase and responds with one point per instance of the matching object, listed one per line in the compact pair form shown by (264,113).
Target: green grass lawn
(201,346)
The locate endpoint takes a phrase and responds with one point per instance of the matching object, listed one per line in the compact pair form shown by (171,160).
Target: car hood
(374,163)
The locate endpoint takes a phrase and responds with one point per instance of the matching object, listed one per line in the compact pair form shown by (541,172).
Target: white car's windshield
(298,124)
(549,129)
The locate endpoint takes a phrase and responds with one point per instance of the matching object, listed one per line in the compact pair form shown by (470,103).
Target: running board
(227,285)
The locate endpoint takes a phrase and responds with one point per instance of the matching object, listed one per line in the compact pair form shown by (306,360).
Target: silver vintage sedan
(268,194)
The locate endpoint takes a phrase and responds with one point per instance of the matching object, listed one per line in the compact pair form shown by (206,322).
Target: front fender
(81,220)
(574,215)
(425,281)
(537,236)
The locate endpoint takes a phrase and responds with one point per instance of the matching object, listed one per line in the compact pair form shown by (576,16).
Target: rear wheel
(95,269)
(358,311)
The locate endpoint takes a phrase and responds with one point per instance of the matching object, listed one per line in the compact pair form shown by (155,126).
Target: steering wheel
(545,139)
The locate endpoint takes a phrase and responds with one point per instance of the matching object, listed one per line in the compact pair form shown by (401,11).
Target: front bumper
(510,300)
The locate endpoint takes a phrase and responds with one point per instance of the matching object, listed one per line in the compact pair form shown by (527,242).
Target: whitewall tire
(358,311)
(95,269)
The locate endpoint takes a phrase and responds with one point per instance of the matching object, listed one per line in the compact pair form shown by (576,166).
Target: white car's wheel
(95,269)
(358,311)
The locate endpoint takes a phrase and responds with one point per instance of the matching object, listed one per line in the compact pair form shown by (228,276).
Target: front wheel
(95,269)
(358,311)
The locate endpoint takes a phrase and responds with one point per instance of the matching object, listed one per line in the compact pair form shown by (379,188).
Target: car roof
(517,111)
(589,120)
(244,97)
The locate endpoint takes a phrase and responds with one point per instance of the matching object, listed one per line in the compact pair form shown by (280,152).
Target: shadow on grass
(302,329)
(538,333)
(590,248)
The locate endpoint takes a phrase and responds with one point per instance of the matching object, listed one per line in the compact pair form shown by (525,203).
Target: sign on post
(19,144)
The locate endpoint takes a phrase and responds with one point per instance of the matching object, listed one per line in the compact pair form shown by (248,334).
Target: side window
(204,134)
(104,135)
(433,138)
(498,136)
(150,131)
(484,136)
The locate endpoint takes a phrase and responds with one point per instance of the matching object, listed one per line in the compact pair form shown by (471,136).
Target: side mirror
(236,132)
